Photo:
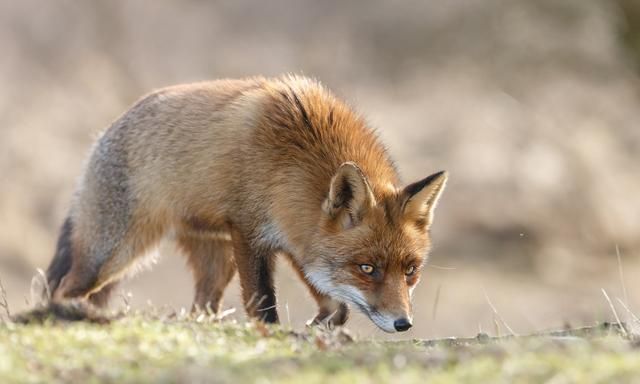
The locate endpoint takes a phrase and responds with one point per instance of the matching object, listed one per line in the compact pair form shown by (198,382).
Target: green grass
(142,349)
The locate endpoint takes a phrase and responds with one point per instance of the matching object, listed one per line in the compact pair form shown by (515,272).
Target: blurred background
(533,106)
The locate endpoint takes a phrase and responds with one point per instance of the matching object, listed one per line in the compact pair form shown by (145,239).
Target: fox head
(368,251)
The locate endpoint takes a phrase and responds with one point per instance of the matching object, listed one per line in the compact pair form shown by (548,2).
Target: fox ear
(350,196)
(421,198)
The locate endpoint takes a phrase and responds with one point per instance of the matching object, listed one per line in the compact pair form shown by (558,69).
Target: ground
(183,348)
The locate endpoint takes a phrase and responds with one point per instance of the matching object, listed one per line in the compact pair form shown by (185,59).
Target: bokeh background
(532,105)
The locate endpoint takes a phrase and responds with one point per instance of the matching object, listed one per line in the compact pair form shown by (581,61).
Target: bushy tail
(61,263)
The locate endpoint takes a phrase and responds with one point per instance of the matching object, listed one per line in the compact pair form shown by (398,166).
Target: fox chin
(239,171)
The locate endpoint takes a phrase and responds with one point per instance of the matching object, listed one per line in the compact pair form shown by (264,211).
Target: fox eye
(367,268)
(410,270)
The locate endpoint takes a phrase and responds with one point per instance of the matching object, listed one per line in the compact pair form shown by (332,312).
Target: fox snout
(389,322)
(388,307)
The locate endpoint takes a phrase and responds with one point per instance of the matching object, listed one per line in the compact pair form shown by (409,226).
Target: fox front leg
(255,268)
(331,313)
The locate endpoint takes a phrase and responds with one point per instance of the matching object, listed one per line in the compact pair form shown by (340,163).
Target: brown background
(533,107)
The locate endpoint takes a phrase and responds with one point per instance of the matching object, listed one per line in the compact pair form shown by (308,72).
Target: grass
(142,348)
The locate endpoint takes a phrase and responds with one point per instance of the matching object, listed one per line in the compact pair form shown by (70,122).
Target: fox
(237,172)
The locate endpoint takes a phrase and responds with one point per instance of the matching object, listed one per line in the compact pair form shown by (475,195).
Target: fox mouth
(380,320)
(353,297)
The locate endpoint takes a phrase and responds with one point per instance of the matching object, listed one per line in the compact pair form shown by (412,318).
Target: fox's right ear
(350,196)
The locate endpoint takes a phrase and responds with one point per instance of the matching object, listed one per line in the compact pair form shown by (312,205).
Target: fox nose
(402,324)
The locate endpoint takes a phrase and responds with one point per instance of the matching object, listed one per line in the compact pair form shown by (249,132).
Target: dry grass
(183,348)
(175,345)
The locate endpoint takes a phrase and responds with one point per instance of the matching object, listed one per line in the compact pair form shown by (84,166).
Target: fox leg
(255,269)
(330,312)
(101,298)
(95,269)
(211,260)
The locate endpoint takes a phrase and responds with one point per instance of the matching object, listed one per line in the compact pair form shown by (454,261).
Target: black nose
(402,324)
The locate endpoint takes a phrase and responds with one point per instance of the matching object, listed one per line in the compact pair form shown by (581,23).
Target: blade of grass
(4,303)
(620,272)
(631,314)
(615,313)
(497,315)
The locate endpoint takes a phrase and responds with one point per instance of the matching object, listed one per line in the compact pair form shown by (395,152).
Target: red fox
(239,171)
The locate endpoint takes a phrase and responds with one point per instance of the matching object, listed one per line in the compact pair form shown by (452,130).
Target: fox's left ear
(420,199)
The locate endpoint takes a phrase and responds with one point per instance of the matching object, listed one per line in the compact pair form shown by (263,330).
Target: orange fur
(242,170)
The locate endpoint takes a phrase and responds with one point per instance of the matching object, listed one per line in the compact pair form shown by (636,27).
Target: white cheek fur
(320,281)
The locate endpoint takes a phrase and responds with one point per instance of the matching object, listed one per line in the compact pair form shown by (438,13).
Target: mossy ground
(141,349)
